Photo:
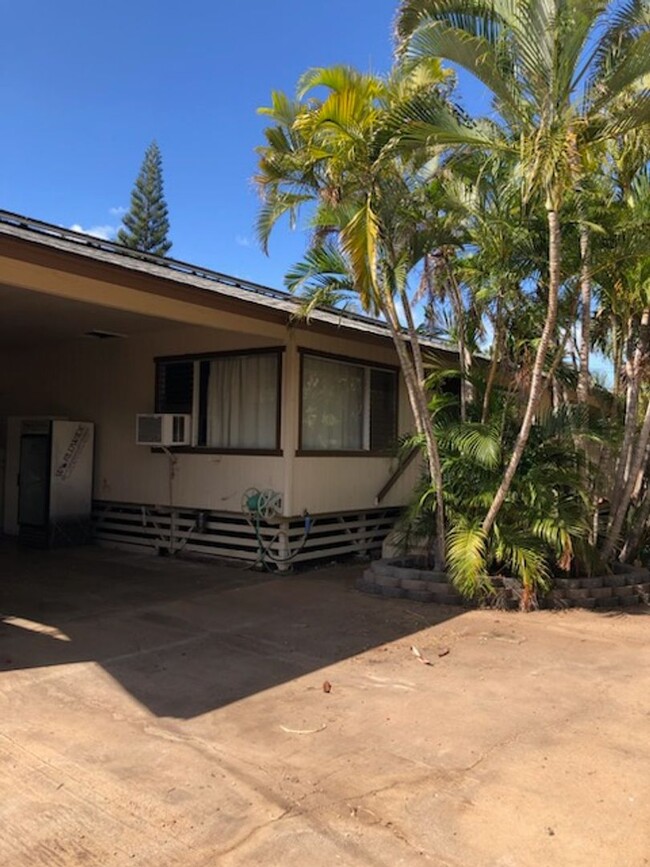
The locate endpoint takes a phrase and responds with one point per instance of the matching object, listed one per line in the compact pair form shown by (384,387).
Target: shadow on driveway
(186,637)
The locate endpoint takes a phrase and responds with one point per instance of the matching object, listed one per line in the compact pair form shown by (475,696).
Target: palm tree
(499,252)
(371,224)
(624,278)
(543,527)
(557,70)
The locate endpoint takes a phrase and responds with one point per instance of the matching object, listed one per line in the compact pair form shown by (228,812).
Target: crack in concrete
(252,833)
(91,794)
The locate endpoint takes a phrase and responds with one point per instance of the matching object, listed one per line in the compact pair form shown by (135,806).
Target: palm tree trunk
(633,389)
(585,313)
(617,358)
(413,371)
(433,455)
(560,353)
(494,362)
(536,383)
(489,385)
(556,396)
(463,378)
(623,504)
(631,547)
(464,355)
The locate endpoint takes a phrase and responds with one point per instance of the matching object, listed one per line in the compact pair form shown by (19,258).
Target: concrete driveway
(162,712)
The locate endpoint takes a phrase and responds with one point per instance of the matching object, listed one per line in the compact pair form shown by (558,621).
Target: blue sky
(85,88)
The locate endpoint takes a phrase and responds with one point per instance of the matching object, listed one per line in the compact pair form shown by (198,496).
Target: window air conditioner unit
(163,429)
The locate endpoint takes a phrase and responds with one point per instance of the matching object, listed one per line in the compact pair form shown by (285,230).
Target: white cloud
(117,211)
(105,233)
(243,241)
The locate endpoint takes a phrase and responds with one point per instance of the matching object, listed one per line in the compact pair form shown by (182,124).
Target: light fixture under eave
(98,334)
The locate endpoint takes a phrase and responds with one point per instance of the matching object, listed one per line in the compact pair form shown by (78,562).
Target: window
(174,386)
(234,398)
(347,406)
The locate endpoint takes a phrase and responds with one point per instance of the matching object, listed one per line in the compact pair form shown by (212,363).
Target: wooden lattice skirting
(230,535)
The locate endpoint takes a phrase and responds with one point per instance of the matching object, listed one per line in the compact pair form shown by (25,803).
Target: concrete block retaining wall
(398,579)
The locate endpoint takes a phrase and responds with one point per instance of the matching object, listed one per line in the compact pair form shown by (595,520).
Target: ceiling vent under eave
(103,335)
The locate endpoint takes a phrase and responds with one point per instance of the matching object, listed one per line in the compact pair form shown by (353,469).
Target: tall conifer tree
(146,224)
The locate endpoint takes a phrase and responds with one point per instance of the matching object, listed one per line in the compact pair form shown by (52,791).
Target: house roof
(174,271)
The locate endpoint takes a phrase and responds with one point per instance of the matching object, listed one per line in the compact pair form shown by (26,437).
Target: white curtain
(332,405)
(242,406)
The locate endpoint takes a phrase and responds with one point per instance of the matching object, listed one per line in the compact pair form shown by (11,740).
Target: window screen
(174,386)
(347,406)
(383,409)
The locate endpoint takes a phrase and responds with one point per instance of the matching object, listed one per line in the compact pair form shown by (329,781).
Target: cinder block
(387,581)
(447,599)
(440,587)
(405,574)
(625,590)
(592,583)
(367,586)
(614,580)
(414,584)
(420,595)
(567,583)
(607,604)
(432,575)
(381,567)
(586,603)
(601,592)
(577,594)
(393,592)
(626,601)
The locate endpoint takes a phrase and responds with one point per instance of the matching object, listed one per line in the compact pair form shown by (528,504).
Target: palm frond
(522,552)
(339,79)
(277,206)
(466,559)
(479,443)
(359,242)
(625,21)
(430,121)
(322,279)
(474,53)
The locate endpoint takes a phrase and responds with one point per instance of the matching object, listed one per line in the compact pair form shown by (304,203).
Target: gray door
(34,484)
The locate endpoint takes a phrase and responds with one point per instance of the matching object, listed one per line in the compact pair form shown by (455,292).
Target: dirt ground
(160,712)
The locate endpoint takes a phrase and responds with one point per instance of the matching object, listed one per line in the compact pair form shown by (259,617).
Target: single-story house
(257,400)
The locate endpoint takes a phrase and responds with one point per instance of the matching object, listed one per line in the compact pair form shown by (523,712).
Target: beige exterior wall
(109,382)
(322,484)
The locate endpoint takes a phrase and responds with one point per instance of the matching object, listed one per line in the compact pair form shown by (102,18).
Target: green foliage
(322,279)
(542,529)
(466,558)
(522,234)
(146,223)
(331,151)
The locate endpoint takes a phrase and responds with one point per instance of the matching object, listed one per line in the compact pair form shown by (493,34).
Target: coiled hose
(266,505)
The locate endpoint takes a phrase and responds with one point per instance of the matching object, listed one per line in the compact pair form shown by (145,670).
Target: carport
(54,354)
(78,336)
(94,333)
